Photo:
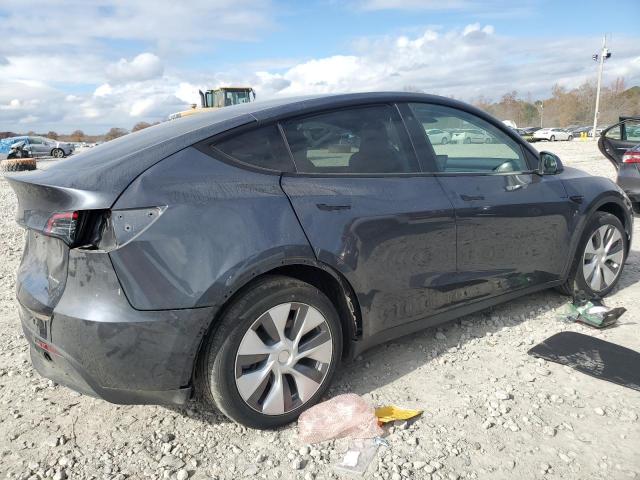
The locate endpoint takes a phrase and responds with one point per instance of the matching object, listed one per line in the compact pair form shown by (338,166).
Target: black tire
(467,140)
(57,153)
(552,138)
(575,281)
(215,381)
(570,138)
(444,140)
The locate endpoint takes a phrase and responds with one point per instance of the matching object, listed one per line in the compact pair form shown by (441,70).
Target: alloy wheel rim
(603,257)
(283,358)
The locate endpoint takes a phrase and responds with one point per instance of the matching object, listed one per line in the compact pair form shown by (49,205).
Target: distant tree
(115,132)
(53,135)
(77,136)
(140,126)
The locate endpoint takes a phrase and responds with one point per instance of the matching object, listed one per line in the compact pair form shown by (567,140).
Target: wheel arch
(330,282)
(610,202)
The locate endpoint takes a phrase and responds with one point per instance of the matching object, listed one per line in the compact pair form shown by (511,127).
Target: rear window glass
(262,147)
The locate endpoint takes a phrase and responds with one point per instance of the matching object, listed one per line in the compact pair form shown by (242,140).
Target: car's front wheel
(552,138)
(600,257)
(272,355)
(444,140)
(57,153)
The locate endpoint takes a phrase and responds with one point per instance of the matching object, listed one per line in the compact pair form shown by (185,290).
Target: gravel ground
(491,411)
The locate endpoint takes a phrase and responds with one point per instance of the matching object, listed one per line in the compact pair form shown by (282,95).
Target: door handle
(331,208)
(471,198)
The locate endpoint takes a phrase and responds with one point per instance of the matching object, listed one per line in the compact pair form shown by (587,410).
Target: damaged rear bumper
(97,344)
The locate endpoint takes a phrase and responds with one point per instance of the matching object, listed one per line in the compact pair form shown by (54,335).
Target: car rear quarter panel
(222,226)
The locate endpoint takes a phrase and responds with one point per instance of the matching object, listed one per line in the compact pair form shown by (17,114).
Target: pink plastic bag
(346,415)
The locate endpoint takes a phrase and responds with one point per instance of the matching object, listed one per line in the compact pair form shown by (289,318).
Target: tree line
(79,136)
(565,107)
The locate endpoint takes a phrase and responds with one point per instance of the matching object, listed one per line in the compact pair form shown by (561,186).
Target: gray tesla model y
(239,255)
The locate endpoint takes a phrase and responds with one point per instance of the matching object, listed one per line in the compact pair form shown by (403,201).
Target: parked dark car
(232,255)
(620,143)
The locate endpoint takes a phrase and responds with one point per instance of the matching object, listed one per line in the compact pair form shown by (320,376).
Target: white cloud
(467,62)
(143,67)
(51,87)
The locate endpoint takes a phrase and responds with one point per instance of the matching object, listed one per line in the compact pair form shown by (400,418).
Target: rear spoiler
(37,203)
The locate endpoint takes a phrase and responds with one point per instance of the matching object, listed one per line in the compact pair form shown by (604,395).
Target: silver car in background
(438,136)
(45,147)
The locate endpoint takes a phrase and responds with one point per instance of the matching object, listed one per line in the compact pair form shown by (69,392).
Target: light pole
(604,54)
(540,103)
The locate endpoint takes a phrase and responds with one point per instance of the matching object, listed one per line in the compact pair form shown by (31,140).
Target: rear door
(619,138)
(512,224)
(369,213)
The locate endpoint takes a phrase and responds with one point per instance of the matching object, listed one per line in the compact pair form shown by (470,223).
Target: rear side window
(261,147)
(357,140)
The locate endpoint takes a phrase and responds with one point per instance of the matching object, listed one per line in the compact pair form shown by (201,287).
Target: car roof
(111,166)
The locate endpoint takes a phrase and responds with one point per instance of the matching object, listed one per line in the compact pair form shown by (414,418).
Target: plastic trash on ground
(592,312)
(392,413)
(361,453)
(346,415)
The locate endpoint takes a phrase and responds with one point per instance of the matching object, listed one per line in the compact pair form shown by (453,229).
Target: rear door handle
(331,208)
(471,198)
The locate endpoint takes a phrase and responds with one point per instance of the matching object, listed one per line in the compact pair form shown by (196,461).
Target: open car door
(618,138)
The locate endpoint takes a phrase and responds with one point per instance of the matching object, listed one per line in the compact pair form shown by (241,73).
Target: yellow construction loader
(218,98)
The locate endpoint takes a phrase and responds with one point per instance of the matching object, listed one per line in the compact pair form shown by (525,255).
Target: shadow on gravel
(390,361)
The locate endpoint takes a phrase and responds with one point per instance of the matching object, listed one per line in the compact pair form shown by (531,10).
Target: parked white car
(552,134)
(437,136)
(470,135)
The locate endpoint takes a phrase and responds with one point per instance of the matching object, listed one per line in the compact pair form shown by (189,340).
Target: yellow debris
(391,413)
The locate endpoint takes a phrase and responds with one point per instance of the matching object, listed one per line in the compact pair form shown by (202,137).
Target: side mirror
(550,164)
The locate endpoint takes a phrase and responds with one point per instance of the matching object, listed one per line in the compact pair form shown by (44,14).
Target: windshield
(233,98)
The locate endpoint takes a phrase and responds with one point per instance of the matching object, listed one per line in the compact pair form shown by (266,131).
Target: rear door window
(260,147)
(355,141)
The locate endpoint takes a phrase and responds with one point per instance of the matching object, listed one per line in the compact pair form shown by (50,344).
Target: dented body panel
(187,251)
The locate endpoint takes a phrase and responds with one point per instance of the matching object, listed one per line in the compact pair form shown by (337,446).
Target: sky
(93,65)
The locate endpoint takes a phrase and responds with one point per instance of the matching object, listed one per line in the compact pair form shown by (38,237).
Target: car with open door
(620,143)
(240,255)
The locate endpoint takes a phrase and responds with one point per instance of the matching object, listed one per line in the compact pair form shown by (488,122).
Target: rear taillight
(631,157)
(63,225)
(77,229)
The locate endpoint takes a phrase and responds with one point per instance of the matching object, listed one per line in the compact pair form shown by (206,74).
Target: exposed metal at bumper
(106,348)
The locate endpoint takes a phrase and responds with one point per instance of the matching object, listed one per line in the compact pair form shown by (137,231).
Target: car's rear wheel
(570,137)
(444,140)
(600,257)
(272,355)
(57,153)
(552,138)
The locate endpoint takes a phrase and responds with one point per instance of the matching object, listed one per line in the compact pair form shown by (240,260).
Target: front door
(619,138)
(370,214)
(512,224)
